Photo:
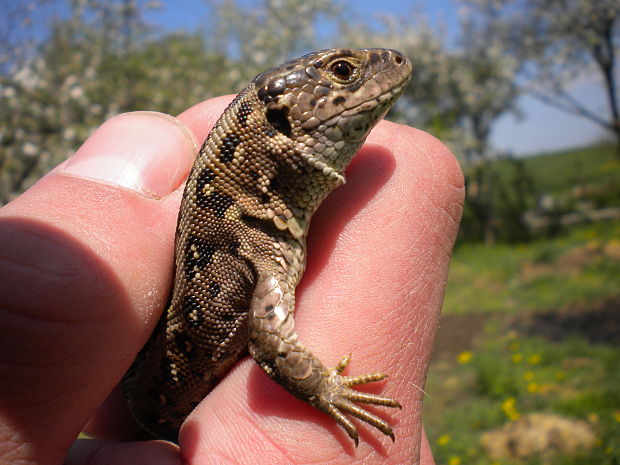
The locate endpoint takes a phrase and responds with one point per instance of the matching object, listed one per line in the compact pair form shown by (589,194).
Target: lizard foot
(337,397)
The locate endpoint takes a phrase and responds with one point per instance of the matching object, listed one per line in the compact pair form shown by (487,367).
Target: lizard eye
(342,70)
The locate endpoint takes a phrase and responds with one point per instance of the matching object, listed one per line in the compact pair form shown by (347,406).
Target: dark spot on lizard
(153,418)
(264,198)
(228,315)
(192,311)
(338,100)
(197,375)
(214,289)
(204,179)
(233,248)
(227,150)
(217,202)
(245,110)
(269,93)
(198,254)
(279,120)
(166,370)
(374,58)
(184,344)
(261,224)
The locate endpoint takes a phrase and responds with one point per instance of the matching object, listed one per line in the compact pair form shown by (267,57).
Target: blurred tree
(269,31)
(53,97)
(98,60)
(561,42)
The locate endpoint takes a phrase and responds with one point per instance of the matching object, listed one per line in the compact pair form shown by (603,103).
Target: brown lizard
(277,151)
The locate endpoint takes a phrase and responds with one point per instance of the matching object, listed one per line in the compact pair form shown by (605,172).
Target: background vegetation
(526,364)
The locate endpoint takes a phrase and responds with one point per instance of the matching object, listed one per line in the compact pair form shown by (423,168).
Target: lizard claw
(337,398)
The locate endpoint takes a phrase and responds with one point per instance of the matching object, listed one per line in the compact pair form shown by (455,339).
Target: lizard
(276,152)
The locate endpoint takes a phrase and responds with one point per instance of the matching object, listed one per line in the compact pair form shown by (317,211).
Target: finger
(86,258)
(379,251)
(426,453)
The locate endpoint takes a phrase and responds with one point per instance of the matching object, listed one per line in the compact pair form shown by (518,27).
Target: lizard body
(277,151)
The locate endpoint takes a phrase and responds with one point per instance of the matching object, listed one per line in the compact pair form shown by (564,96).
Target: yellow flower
(617,416)
(534,359)
(528,375)
(593,418)
(443,440)
(454,460)
(509,403)
(509,408)
(533,387)
(464,357)
(517,358)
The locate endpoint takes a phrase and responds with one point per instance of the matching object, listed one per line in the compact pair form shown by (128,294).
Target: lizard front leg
(274,345)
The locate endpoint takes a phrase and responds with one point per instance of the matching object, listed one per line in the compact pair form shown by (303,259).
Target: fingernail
(147,152)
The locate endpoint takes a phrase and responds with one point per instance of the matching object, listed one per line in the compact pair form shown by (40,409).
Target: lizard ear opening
(278,119)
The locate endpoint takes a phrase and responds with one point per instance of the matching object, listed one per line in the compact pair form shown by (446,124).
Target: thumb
(85,262)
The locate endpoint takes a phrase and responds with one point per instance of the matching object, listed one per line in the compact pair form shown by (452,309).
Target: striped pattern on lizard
(277,151)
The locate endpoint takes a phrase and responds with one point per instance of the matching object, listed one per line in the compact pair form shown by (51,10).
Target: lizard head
(328,101)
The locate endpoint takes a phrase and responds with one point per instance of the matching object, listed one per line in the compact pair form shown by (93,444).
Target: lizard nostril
(398,59)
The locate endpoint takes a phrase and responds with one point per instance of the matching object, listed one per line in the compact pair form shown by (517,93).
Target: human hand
(86,266)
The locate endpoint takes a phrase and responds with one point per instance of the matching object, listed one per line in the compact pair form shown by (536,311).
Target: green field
(530,340)
(559,173)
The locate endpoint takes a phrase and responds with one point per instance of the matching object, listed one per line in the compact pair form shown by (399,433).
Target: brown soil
(457,334)
(596,322)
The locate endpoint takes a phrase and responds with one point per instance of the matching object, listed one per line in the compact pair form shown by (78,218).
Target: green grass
(516,365)
(544,274)
(559,173)
(509,376)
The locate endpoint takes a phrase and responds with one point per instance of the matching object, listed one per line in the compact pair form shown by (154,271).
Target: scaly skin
(274,155)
